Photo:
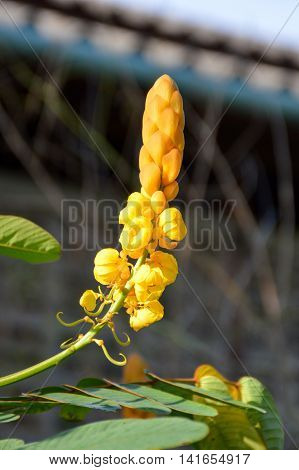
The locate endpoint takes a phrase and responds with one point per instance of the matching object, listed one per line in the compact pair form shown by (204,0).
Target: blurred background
(73,80)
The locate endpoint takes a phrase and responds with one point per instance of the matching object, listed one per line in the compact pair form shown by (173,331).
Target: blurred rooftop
(208,53)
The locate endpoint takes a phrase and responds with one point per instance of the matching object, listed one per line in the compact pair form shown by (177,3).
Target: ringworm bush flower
(135,277)
(148,224)
(148,221)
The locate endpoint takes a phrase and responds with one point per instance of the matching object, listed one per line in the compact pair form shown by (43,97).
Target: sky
(261,20)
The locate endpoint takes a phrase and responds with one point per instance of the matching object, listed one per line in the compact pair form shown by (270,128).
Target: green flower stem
(81,343)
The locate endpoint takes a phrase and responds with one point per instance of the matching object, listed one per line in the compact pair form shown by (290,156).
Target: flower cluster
(149,224)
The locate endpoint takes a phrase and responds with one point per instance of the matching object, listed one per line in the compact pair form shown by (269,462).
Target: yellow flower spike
(167,263)
(172,225)
(88,300)
(150,313)
(101,344)
(147,222)
(110,268)
(158,202)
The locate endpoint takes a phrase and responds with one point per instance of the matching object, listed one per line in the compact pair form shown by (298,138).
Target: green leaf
(170,400)
(125,399)
(231,429)
(82,401)
(270,425)
(22,239)
(90,382)
(10,444)
(185,390)
(73,413)
(8,417)
(124,434)
(24,404)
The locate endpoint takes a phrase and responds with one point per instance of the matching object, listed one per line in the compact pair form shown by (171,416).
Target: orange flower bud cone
(163,138)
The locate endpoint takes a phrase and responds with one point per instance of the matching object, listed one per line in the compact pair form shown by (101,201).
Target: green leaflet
(270,425)
(8,417)
(231,429)
(126,399)
(20,238)
(155,433)
(82,401)
(170,400)
(20,405)
(73,413)
(252,422)
(186,390)
(10,444)
(90,382)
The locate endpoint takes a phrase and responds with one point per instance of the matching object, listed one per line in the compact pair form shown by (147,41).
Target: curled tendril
(99,311)
(100,343)
(68,325)
(119,341)
(69,342)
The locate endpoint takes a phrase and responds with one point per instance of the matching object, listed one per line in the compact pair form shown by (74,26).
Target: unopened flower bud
(158,202)
(172,225)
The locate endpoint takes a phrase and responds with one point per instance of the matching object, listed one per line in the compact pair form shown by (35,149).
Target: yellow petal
(151,312)
(88,300)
